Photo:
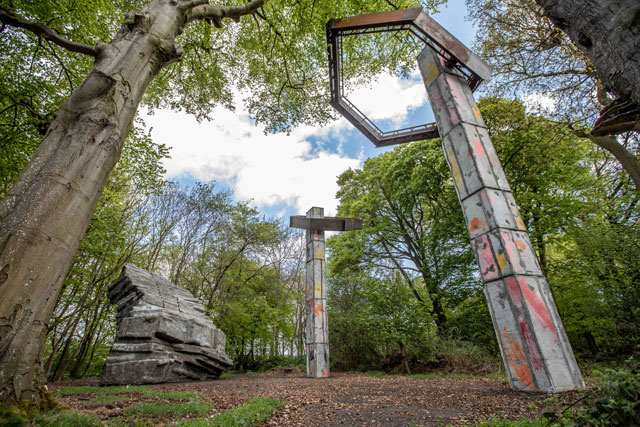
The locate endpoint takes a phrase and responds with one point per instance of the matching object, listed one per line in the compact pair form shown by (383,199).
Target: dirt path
(358,400)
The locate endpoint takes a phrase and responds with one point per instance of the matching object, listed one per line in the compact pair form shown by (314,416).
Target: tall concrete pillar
(535,349)
(317,334)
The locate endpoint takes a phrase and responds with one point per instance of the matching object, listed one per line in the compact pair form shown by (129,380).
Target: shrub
(616,400)
(461,356)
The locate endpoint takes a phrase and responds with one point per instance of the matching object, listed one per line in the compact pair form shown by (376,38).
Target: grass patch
(524,422)
(170,395)
(160,409)
(67,419)
(11,419)
(131,422)
(252,413)
(95,390)
(109,398)
(120,393)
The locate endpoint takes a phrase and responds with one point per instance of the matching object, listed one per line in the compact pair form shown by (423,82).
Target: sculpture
(164,334)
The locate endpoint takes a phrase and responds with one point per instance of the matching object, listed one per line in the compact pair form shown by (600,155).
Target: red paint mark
(315,235)
(521,245)
(517,360)
(518,289)
(478,148)
(540,310)
(534,352)
(325,373)
(516,296)
(488,267)
(508,245)
(452,117)
(485,200)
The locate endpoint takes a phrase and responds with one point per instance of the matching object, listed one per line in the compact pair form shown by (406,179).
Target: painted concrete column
(317,334)
(534,345)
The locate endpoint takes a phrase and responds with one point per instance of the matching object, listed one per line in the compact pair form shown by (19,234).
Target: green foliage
(616,401)
(373,320)
(470,321)
(461,356)
(413,227)
(67,419)
(161,409)
(11,419)
(270,363)
(252,413)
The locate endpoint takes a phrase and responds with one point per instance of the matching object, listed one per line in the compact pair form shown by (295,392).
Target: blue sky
(283,174)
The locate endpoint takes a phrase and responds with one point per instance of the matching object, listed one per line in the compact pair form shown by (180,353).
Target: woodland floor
(351,399)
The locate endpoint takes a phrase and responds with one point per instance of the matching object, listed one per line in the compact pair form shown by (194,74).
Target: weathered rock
(164,334)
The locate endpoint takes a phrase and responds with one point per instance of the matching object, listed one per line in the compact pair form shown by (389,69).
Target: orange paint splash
(318,309)
(517,360)
(521,245)
(475,224)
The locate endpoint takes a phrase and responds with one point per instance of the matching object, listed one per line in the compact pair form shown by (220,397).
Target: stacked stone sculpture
(164,334)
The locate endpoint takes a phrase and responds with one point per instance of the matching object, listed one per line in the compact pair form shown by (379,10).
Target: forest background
(404,293)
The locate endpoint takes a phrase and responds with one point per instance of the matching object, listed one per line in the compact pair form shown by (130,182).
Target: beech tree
(532,55)
(277,56)
(607,32)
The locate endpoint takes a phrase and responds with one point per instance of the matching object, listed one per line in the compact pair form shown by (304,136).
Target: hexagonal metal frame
(422,27)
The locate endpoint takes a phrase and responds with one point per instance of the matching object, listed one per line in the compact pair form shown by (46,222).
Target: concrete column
(535,349)
(317,335)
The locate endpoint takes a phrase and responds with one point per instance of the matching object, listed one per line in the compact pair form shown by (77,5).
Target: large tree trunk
(608,33)
(45,215)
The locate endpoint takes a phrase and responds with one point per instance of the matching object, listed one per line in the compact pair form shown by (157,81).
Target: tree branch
(629,162)
(218,13)
(47,33)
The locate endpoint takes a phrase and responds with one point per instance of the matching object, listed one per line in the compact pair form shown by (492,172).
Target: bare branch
(217,13)
(47,33)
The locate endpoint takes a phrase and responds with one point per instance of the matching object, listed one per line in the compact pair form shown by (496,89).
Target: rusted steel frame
(325,224)
(380,19)
(394,21)
(428,31)
(360,120)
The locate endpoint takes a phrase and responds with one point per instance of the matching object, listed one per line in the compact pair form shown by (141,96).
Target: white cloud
(269,169)
(389,97)
(277,169)
(538,103)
